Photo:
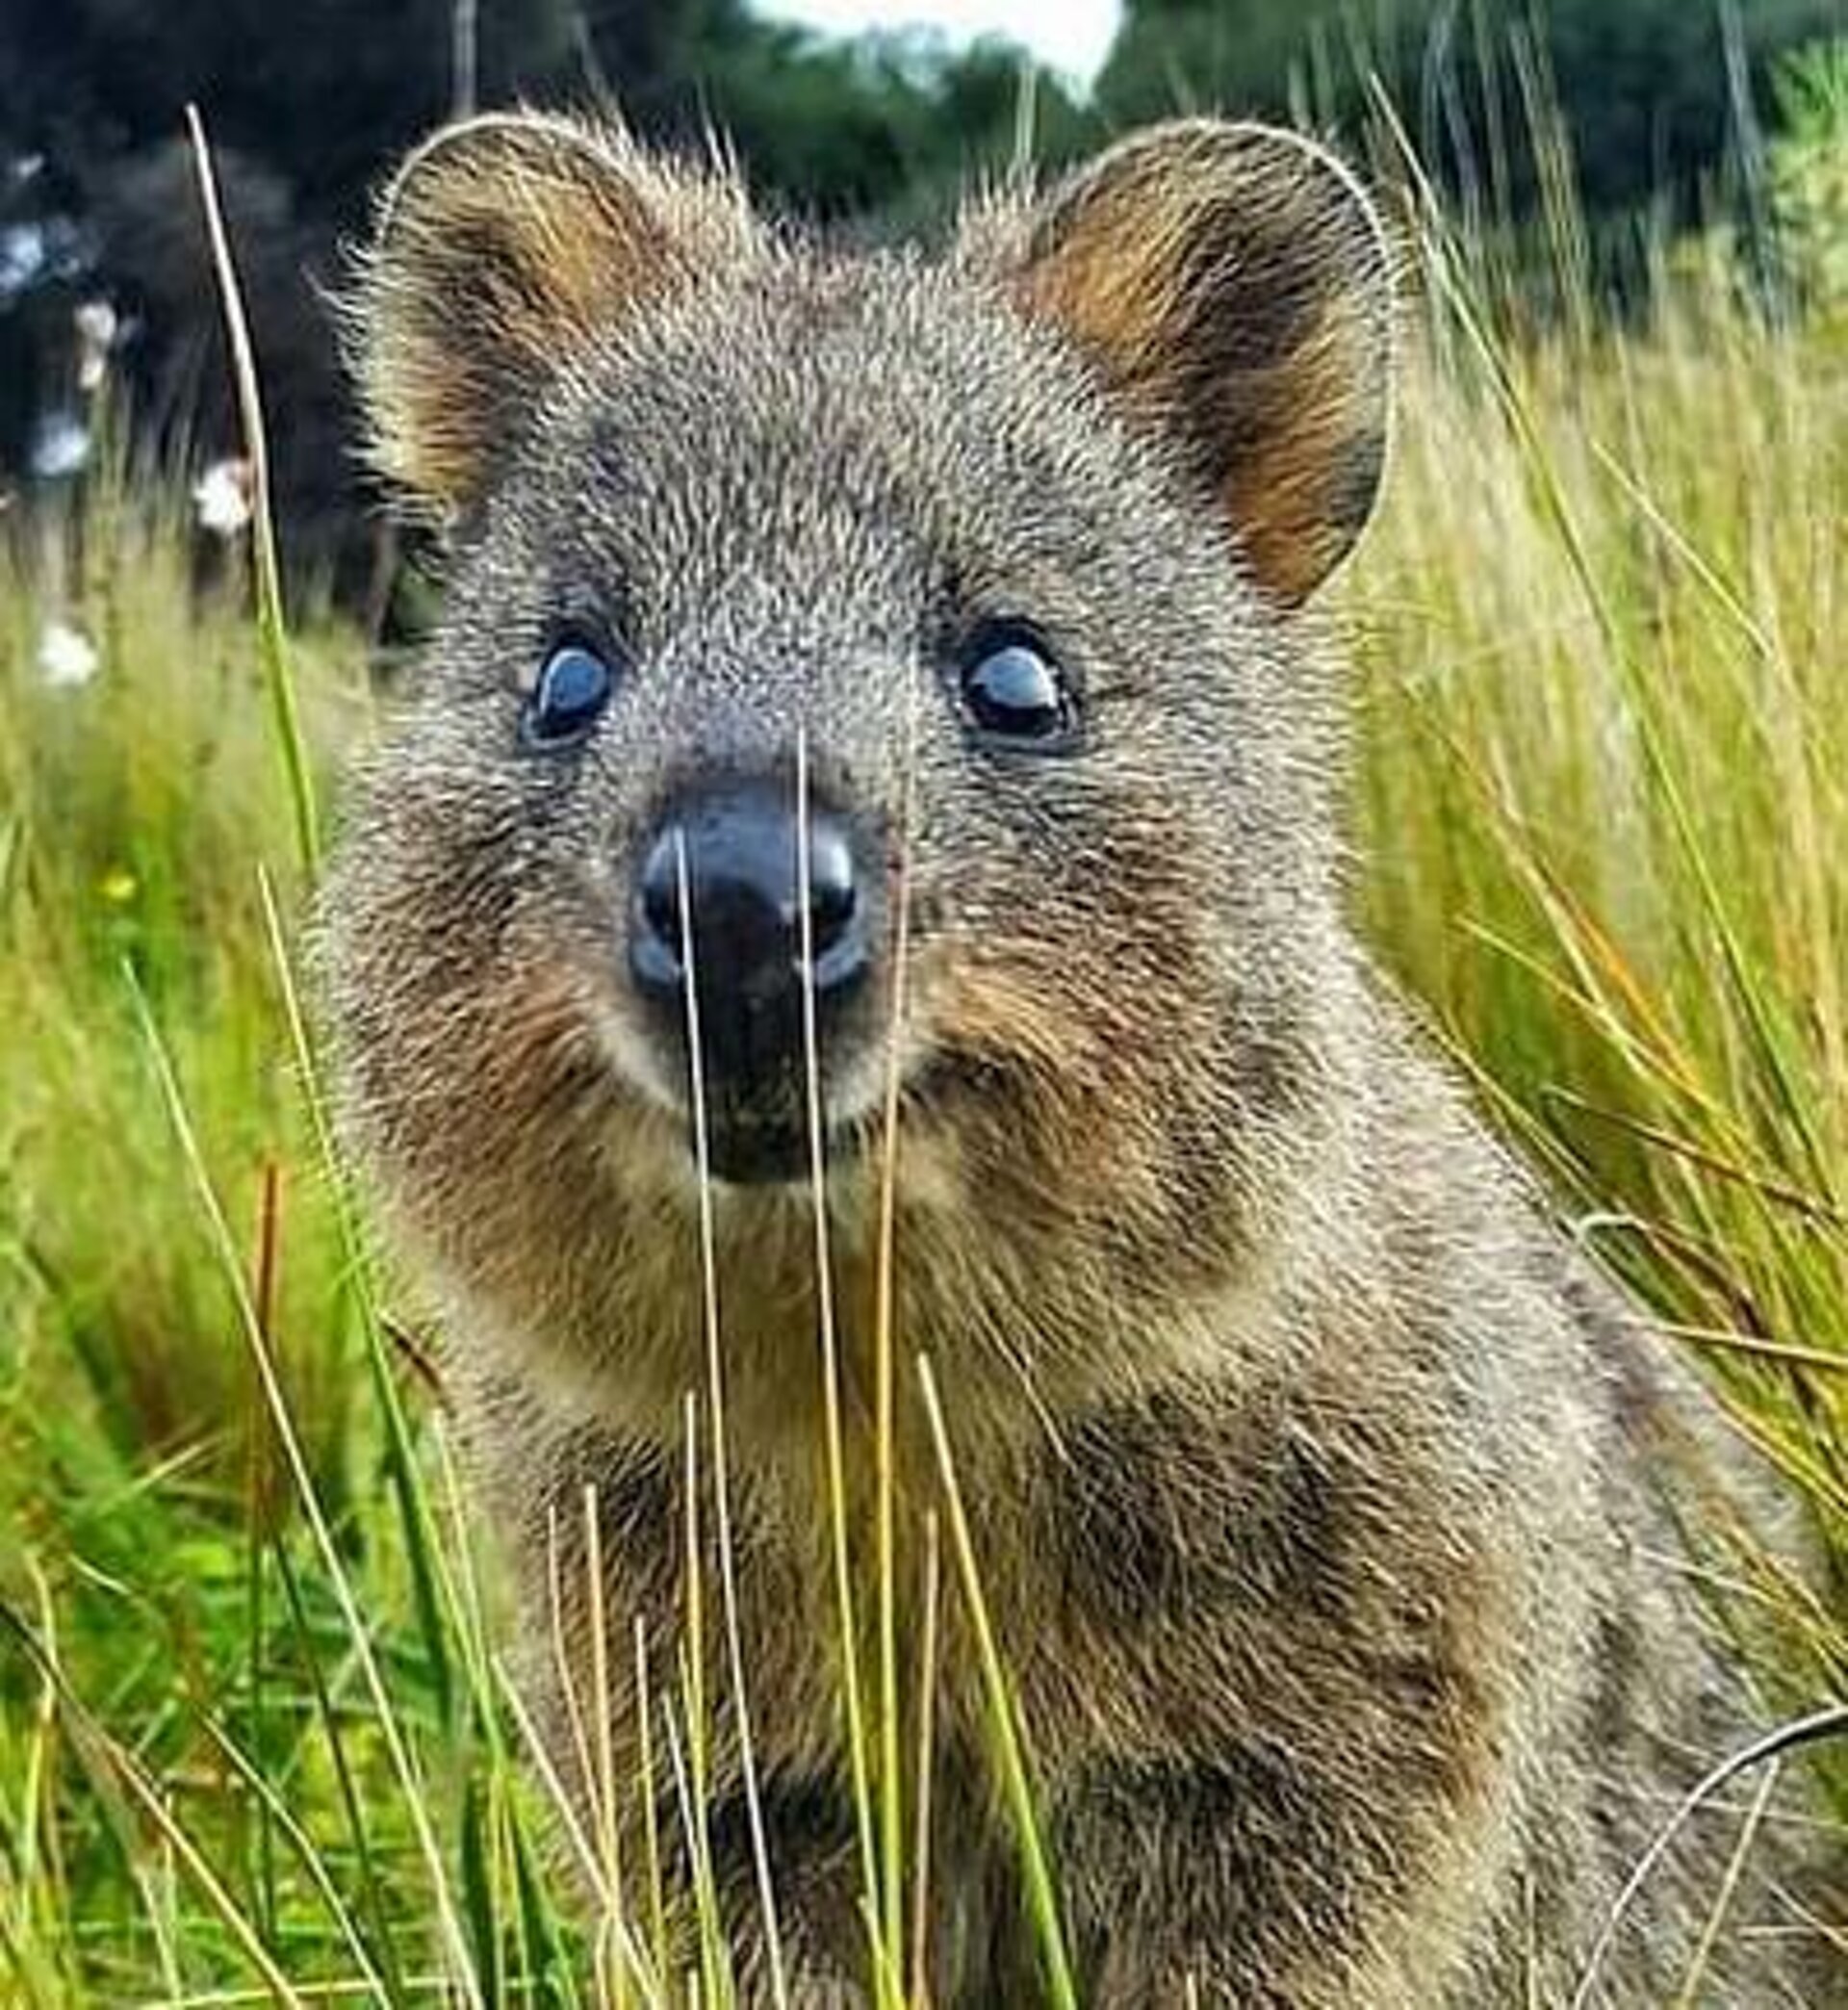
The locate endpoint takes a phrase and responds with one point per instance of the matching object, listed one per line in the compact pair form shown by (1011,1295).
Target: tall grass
(1605,807)
(255,1739)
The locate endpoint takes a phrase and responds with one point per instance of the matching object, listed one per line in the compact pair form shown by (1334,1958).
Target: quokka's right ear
(506,247)
(1232,285)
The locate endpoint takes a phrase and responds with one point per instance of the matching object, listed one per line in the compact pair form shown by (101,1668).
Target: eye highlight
(573,689)
(1011,688)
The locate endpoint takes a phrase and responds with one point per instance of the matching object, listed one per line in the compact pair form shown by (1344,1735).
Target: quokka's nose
(730,853)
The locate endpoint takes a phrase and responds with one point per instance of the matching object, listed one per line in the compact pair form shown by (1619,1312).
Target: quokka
(876,680)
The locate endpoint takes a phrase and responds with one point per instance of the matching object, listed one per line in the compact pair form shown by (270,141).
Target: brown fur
(514,236)
(1272,353)
(1318,1484)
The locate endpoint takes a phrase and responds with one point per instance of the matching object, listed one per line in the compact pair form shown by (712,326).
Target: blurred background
(1643,119)
(250,1724)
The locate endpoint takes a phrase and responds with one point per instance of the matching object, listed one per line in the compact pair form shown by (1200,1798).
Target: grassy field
(253,1741)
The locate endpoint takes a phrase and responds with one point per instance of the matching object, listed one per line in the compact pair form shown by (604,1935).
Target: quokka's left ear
(1235,287)
(505,248)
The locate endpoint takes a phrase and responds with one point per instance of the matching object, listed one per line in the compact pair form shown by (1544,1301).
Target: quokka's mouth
(745,1154)
(765,1139)
(757,1132)
(755,1145)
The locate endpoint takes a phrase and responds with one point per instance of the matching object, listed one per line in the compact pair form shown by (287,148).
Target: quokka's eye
(573,686)
(1012,689)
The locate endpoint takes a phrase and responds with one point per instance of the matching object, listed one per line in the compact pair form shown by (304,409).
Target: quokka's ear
(505,247)
(1234,284)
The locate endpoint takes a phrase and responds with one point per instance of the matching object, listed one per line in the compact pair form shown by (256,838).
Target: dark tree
(1646,89)
(308,101)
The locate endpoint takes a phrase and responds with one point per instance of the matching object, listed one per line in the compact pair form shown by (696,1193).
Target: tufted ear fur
(506,246)
(1233,285)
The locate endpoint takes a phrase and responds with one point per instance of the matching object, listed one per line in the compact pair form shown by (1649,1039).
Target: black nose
(730,852)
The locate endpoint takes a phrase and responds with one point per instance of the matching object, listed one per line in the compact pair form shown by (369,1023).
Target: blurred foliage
(1600,110)
(322,93)
(1809,179)
(1652,95)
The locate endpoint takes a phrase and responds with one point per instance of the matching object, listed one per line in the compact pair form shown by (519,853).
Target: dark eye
(1012,689)
(574,687)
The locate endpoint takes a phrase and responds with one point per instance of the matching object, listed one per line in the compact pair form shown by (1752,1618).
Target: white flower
(222,496)
(23,258)
(96,323)
(66,656)
(60,446)
(97,333)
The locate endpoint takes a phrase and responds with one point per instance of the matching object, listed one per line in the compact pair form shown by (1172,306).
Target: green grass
(253,1736)
(1605,810)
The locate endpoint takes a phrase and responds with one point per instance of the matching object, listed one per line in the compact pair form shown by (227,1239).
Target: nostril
(657,944)
(661,888)
(832,894)
(831,911)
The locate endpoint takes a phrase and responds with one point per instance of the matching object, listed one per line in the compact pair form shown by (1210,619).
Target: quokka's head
(859,671)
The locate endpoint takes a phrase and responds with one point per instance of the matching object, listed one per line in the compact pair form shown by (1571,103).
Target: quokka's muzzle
(718,939)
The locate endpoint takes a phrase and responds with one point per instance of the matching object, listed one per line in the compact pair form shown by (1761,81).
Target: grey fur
(1329,1503)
